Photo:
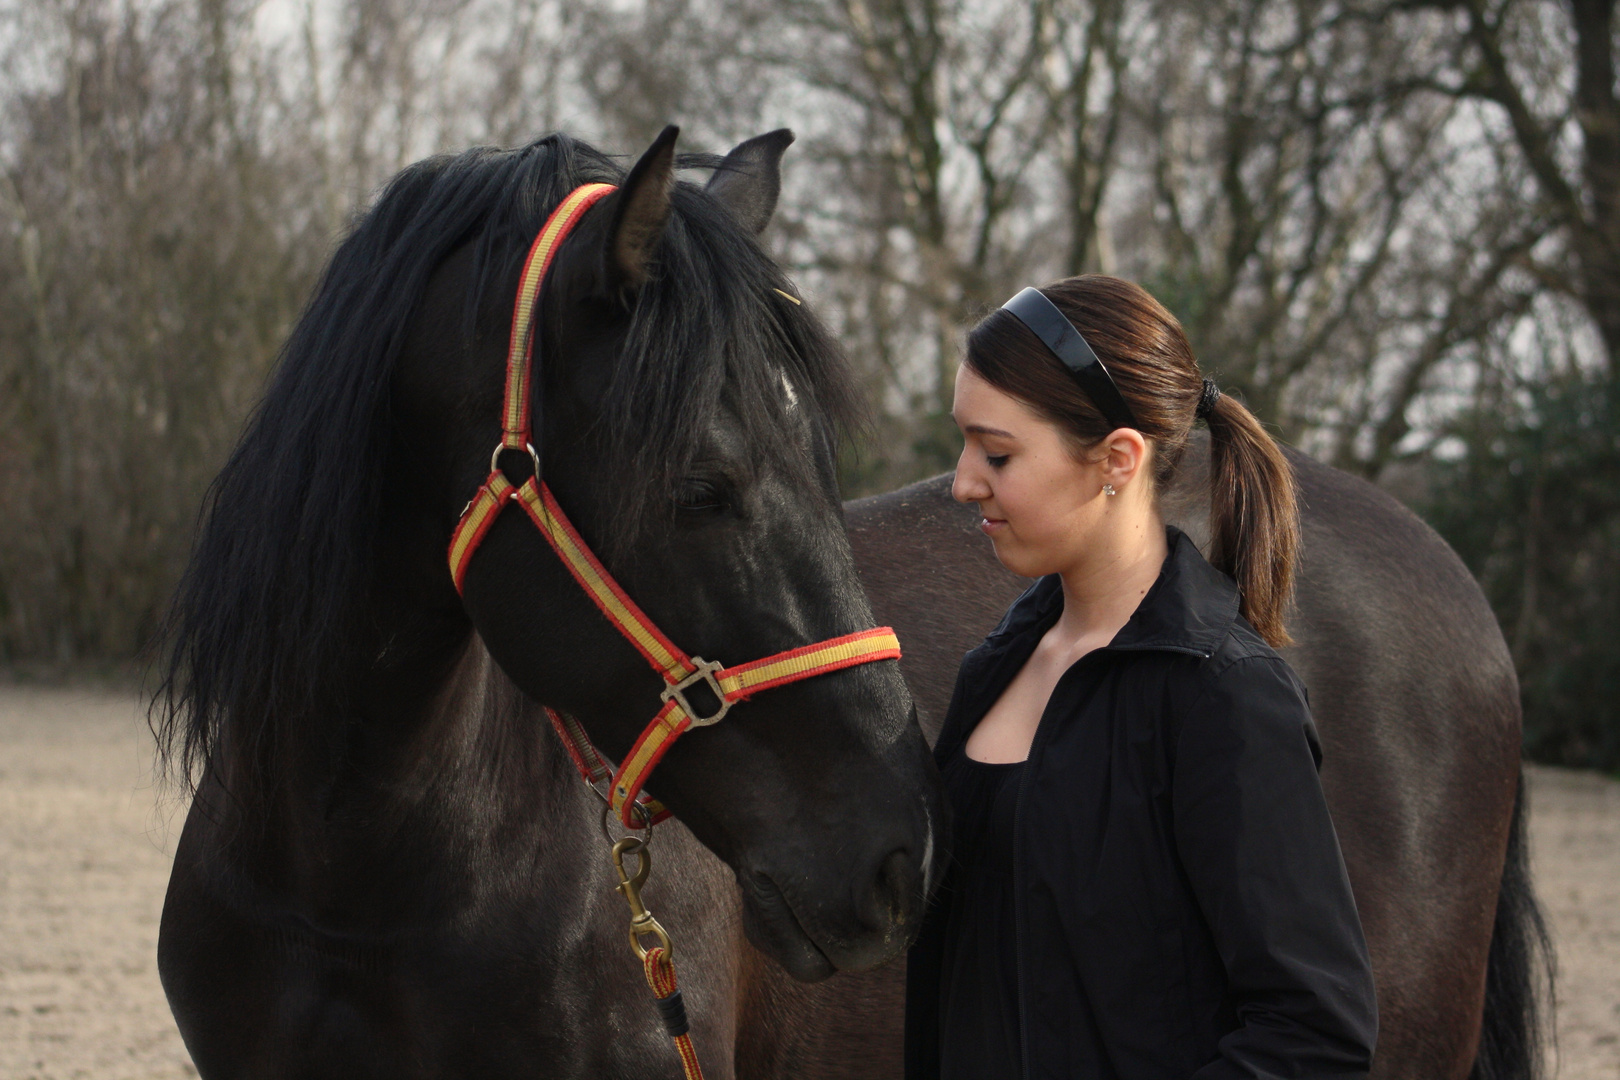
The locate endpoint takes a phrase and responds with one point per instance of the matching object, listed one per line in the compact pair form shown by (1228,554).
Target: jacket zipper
(1019,892)
(1018,887)
(1018,907)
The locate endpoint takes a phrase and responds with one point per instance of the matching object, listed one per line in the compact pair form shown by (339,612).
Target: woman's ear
(1127,457)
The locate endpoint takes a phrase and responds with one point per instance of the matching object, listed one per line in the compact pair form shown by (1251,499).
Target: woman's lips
(991,526)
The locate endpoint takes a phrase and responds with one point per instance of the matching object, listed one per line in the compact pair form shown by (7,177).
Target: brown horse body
(1415,697)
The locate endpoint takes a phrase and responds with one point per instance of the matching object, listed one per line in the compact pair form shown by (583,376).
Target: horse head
(685,412)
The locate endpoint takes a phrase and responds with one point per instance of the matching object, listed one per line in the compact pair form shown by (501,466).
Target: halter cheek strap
(680,672)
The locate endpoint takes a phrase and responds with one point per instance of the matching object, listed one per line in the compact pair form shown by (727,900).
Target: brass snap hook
(642,923)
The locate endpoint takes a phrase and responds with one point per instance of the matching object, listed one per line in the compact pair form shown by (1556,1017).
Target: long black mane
(262,629)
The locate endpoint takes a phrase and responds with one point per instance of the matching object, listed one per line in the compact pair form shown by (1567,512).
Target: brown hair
(1253,516)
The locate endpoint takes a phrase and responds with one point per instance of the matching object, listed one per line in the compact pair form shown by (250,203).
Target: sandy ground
(1575,856)
(84,859)
(85,849)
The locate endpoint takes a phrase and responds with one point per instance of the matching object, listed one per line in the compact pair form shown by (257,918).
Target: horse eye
(699,495)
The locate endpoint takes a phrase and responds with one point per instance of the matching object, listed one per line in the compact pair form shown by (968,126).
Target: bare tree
(1547,72)
(148,278)
(1357,207)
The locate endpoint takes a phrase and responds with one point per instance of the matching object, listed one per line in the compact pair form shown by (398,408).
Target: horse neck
(440,772)
(518,831)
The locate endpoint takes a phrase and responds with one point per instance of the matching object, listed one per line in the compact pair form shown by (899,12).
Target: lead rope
(659,961)
(661,977)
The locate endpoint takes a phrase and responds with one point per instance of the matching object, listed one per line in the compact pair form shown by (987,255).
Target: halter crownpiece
(1206,400)
(1032,308)
(680,672)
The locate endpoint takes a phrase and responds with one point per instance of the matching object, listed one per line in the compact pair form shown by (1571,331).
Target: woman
(1146,883)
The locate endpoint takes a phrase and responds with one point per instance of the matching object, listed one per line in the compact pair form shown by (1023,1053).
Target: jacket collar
(1189,609)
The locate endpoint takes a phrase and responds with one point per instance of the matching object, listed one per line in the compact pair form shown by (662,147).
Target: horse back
(931,575)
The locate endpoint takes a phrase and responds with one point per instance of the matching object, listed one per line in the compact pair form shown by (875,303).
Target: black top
(1182,910)
(978,988)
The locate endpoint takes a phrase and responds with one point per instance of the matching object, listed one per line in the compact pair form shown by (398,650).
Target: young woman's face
(1039,502)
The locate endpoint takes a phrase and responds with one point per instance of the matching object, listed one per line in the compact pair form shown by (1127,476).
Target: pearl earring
(1108,489)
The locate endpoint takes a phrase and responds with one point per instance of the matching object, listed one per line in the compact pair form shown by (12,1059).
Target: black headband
(1034,310)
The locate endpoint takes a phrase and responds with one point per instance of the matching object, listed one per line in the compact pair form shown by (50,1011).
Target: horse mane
(261,633)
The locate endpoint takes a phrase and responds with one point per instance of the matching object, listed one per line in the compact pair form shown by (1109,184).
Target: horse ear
(642,211)
(750,178)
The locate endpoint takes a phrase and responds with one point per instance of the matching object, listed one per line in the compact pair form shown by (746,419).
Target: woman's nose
(966,485)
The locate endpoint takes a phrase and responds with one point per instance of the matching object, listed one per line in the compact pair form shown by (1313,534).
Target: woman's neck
(1106,584)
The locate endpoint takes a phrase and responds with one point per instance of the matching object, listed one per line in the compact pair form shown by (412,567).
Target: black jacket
(1182,906)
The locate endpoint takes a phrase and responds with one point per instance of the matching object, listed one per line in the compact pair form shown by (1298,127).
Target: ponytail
(1253,515)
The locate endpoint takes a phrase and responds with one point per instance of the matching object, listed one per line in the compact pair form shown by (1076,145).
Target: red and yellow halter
(678,670)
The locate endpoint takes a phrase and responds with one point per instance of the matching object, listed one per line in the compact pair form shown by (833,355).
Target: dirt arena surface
(85,849)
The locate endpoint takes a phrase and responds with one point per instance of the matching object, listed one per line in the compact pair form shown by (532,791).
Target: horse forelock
(712,329)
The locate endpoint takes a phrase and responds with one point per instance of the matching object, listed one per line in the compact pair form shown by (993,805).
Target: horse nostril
(895,888)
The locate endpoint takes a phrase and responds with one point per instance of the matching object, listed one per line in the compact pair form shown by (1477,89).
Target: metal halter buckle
(705,672)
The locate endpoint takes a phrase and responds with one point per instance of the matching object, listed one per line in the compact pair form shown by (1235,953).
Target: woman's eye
(996,461)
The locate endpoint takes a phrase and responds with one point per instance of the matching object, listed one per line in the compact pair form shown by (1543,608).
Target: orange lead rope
(661,977)
(729,685)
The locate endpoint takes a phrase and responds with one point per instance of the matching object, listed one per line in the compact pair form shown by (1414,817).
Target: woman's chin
(1015,558)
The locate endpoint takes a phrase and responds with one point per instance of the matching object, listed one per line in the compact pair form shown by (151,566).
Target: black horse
(390,868)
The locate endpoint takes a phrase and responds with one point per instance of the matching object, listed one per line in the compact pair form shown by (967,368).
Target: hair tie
(1206,400)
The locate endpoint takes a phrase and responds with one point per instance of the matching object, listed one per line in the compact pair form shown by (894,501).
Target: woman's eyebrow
(980,429)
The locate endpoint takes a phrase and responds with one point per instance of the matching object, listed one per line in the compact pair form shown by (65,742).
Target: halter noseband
(680,672)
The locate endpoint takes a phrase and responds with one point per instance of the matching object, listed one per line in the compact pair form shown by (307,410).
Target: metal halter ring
(706,670)
(501,448)
(641,812)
